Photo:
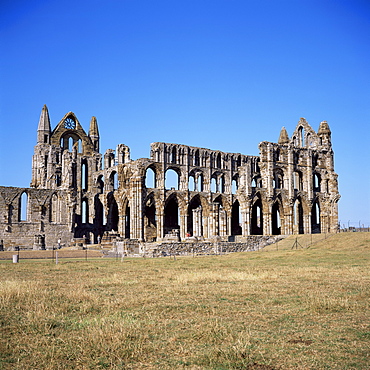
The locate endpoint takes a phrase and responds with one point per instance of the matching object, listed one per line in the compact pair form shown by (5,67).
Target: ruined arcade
(75,192)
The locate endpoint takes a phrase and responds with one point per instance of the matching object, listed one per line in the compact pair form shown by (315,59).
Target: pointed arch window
(85,211)
(84,175)
(191,186)
(213,185)
(316,182)
(150,178)
(100,184)
(172,179)
(23,207)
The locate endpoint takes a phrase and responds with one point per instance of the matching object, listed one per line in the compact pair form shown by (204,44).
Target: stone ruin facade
(76,193)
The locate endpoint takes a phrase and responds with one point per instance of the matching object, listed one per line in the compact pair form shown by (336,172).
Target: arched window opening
(171,216)
(84,175)
(113,181)
(222,184)
(298,216)
(84,211)
(221,221)
(236,226)
(200,182)
(100,184)
(58,179)
(297,179)
(74,175)
(301,136)
(99,212)
(314,160)
(195,219)
(278,180)
(234,186)
(218,161)
(23,207)
(315,219)
(276,222)
(213,185)
(150,221)
(113,216)
(150,178)
(277,155)
(254,184)
(196,158)
(173,155)
(316,182)
(191,183)
(257,218)
(171,179)
(70,144)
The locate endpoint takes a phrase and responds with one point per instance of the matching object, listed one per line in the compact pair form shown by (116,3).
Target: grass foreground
(276,309)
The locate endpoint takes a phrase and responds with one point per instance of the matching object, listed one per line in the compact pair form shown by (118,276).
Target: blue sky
(220,74)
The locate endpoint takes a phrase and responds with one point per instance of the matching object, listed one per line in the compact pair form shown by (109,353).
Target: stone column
(222,223)
(160,223)
(183,225)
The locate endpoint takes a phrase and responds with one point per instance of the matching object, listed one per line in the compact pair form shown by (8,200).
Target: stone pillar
(136,209)
(206,231)
(245,220)
(160,223)
(214,220)
(183,225)
(267,230)
(222,222)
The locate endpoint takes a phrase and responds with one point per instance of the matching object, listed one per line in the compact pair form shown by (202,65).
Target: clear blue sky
(220,74)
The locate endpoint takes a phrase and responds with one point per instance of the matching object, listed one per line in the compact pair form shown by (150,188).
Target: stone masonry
(76,193)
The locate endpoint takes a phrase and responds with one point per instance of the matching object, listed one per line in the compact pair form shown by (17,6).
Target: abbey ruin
(75,192)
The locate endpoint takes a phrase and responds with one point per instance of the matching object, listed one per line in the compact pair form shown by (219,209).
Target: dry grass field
(274,309)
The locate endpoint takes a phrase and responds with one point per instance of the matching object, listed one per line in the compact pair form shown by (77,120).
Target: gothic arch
(298,216)
(236,220)
(316,217)
(257,216)
(113,213)
(194,219)
(150,219)
(150,177)
(23,206)
(276,218)
(171,180)
(171,214)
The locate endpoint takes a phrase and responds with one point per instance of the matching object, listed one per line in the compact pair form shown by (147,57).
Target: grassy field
(272,309)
